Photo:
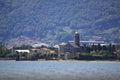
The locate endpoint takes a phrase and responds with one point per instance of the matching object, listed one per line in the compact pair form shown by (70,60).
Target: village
(73,50)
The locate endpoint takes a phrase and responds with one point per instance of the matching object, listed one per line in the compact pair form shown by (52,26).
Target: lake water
(53,70)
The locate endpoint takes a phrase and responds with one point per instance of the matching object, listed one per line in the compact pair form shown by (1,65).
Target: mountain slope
(54,21)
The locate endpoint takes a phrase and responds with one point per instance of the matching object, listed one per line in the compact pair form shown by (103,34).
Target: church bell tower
(76,39)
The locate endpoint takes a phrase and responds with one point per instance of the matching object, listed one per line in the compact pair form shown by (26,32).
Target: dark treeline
(100,52)
(98,48)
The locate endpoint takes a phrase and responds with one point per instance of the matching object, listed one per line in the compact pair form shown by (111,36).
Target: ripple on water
(28,70)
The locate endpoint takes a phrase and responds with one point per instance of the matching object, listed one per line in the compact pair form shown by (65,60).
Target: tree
(3,50)
(99,47)
(104,48)
(88,49)
(103,52)
(17,56)
(93,47)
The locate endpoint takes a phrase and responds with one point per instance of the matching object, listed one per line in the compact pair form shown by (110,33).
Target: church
(70,50)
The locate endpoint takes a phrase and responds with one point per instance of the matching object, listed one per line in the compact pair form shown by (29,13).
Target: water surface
(53,70)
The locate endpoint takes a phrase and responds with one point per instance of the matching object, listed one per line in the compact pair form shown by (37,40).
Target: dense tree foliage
(3,51)
(98,52)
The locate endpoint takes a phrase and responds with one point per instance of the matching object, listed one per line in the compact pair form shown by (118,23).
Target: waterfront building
(71,49)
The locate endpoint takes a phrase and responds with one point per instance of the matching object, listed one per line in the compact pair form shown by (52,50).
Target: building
(90,42)
(42,50)
(22,51)
(70,49)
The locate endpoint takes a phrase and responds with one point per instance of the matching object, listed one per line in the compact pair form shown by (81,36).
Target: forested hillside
(55,21)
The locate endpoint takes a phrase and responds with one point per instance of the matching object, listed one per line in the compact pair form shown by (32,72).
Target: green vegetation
(55,21)
(3,51)
(98,52)
(47,53)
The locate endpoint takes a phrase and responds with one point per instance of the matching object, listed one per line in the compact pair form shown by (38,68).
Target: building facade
(70,49)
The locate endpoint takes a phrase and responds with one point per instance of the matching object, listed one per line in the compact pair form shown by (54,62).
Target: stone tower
(76,39)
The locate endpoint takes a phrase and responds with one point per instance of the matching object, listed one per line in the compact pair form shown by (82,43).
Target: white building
(22,51)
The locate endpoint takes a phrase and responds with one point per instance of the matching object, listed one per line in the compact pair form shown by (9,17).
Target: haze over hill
(55,21)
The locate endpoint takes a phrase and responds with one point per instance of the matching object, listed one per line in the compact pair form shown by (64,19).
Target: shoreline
(78,61)
(43,60)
